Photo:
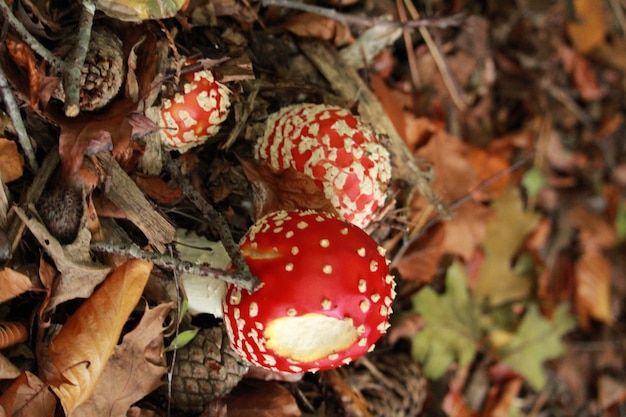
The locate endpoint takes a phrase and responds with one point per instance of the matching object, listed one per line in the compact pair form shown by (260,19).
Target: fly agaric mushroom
(195,113)
(326,294)
(334,148)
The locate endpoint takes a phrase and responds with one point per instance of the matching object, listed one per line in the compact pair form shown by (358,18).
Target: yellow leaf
(590,29)
(78,354)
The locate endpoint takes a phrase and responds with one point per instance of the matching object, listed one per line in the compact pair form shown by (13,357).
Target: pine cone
(103,71)
(392,383)
(205,369)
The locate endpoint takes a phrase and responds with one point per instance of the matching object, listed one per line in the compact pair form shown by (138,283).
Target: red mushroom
(326,294)
(333,147)
(195,113)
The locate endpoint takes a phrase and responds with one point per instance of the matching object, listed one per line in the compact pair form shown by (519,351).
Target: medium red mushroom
(195,113)
(326,294)
(333,147)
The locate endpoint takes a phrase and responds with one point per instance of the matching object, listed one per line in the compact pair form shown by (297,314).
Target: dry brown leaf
(7,369)
(467,230)
(28,396)
(77,355)
(595,232)
(12,284)
(24,57)
(79,273)
(421,259)
(261,399)
(157,189)
(593,288)
(12,333)
(590,29)
(284,190)
(488,164)
(135,369)
(11,161)
(320,27)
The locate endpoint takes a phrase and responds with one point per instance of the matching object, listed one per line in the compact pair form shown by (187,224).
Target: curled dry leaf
(11,161)
(12,333)
(284,190)
(12,284)
(316,26)
(76,357)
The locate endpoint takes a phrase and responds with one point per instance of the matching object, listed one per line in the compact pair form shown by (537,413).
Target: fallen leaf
(421,260)
(28,396)
(451,325)
(497,281)
(12,284)
(24,56)
(159,191)
(135,369)
(454,405)
(79,273)
(261,399)
(7,369)
(312,25)
(12,333)
(76,357)
(595,232)
(284,190)
(589,29)
(467,230)
(11,161)
(535,341)
(593,288)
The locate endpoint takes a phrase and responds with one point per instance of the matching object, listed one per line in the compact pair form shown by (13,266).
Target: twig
(76,59)
(440,61)
(30,39)
(16,118)
(217,220)
(239,278)
(346,19)
(454,205)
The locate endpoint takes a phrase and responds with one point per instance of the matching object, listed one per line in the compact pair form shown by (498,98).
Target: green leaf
(182,339)
(533,181)
(451,325)
(535,341)
(620,222)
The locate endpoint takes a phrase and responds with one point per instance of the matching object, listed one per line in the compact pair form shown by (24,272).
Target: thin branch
(36,46)
(76,59)
(217,220)
(16,118)
(169,262)
(347,19)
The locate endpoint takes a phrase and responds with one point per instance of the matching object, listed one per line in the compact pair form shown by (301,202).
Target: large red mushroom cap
(332,146)
(195,113)
(326,294)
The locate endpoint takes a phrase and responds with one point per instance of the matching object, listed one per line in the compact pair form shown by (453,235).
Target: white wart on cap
(333,147)
(325,299)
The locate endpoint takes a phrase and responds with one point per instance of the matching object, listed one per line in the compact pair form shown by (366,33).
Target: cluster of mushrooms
(327,292)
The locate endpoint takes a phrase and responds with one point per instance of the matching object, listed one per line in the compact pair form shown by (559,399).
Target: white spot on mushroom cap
(327,269)
(324,243)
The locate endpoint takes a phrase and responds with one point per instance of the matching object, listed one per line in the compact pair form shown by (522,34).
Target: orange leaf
(421,259)
(28,396)
(11,161)
(12,333)
(24,57)
(590,30)
(157,189)
(593,288)
(76,357)
(134,370)
(12,284)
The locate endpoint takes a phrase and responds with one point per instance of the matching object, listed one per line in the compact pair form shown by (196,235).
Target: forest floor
(505,222)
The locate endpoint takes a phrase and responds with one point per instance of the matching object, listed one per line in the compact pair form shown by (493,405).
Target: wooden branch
(76,59)
(237,278)
(347,83)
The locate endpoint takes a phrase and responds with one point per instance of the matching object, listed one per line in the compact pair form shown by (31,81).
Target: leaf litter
(513,111)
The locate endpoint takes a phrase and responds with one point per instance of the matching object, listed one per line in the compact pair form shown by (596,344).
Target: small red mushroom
(333,147)
(326,294)
(195,113)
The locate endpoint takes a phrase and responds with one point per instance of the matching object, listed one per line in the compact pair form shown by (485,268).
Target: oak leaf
(28,396)
(497,281)
(451,325)
(535,341)
(134,370)
(76,357)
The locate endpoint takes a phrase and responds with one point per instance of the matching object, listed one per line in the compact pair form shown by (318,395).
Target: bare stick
(16,118)
(76,59)
(348,19)
(36,46)
(217,220)
(169,262)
